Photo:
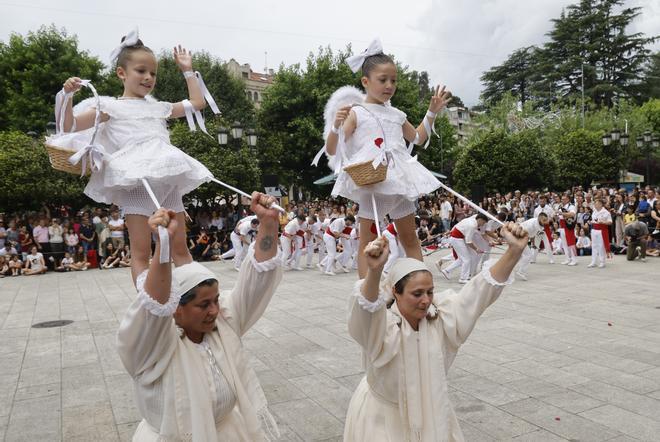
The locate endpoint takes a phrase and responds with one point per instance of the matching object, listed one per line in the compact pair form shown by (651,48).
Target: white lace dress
(406,178)
(137,145)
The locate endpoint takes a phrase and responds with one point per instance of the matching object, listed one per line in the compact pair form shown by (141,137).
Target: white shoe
(591,265)
(438,264)
(601,266)
(521,276)
(329,273)
(565,262)
(643,259)
(463,281)
(298,269)
(552,261)
(445,274)
(532,262)
(320,267)
(344,269)
(309,266)
(572,263)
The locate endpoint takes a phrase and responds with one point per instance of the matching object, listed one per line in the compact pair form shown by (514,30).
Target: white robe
(171,378)
(373,413)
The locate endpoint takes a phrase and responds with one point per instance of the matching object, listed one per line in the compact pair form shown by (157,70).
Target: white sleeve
(459,311)
(256,284)
(147,335)
(373,327)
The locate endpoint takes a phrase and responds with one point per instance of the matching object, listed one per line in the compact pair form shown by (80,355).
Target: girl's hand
(341,116)
(183,58)
(72,84)
(439,100)
(163,217)
(377,252)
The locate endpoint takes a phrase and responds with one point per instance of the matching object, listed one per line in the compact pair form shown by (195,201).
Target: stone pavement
(572,354)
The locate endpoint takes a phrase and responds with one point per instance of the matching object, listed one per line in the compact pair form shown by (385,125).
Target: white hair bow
(356,61)
(130,40)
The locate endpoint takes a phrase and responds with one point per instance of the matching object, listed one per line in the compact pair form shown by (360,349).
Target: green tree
(582,158)
(234,165)
(515,76)
(502,162)
(650,87)
(28,178)
(32,70)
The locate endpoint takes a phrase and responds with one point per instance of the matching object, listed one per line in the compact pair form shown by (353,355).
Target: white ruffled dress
(137,145)
(406,178)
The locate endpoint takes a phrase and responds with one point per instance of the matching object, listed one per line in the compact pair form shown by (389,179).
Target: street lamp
(648,141)
(223,135)
(236,130)
(51,128)
(251,138)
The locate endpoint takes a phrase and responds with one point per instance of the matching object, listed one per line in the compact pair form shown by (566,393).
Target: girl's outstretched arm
(438,102)
(183,59)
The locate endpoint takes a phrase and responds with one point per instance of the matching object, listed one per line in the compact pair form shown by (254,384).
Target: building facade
(255,82)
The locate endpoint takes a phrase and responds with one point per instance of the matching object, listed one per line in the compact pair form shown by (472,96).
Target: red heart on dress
(378,142)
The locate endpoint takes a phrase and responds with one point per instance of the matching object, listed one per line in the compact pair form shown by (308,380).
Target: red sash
(455,233)
(392,229)
(301,233)
(329,232)
(570,233)
(373,229)
(347,230)
(453,252)
(548,233)
(605,232)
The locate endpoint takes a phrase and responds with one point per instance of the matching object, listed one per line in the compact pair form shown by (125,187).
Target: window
(245,75)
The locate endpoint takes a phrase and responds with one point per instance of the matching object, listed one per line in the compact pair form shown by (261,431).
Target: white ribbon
(93,153)
(430,129)
(61,100)
(355,62)
(193,114)
(163,237)
(130,40)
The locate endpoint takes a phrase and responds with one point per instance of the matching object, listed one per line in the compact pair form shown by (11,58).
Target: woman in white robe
(409,347)
(180,341)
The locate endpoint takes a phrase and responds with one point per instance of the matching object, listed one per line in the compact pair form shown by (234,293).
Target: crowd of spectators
(62,239)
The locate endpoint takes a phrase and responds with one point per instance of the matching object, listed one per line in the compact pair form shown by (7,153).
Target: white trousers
(598,252)
(345,256)
(237,250)
(466,256)
(547,247)
(483,245)
(525,260)
(309,246)
(331,252)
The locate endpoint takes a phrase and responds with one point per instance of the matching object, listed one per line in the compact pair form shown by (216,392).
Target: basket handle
(62,100)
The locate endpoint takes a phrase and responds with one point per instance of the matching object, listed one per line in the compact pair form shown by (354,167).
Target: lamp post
(615,136)
(648,141)
(51,128)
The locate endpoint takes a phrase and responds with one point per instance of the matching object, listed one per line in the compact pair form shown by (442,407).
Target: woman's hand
(377,252)
(72,84)
(341,116)
(260,206)
(165,218)
(183,58)
(515,236)
(439,100)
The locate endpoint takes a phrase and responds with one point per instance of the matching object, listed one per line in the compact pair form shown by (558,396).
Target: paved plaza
(572,354)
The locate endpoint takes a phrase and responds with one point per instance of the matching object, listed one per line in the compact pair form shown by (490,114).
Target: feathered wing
(344,96)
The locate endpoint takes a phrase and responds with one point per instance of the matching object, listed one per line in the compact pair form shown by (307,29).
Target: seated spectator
(65,264)
(12,235)
(25,240)
(125,260)
(112,257)
(4,266)
(643,211)
(215,252)
(655,220)
(583,244)
(80,259)
(15,265)
(556,244)
(34,263)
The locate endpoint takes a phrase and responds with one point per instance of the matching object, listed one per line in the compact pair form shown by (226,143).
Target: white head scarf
(188,276)
(356,61)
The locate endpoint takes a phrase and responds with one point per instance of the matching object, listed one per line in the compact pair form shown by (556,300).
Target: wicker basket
(59,159)
(364,174)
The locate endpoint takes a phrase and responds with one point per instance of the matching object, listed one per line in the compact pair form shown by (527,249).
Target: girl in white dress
(409,338)
(367,128)
(137,145)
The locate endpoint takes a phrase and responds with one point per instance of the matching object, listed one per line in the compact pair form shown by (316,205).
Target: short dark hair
(374,60)
(482,216)
(350,218)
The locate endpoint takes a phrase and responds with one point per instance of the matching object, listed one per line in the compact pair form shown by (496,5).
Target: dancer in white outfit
(291,242)
(601,220)
(534,227)
(566,215)
(311,238)
(396,250)
(546,239)
(240,239)
(462,241)
(335,231)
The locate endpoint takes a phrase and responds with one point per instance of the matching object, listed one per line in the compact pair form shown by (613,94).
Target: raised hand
(183,58)
(163,217)
(377,252)
(341,116)
(260,206)
(439,99)
(515,236)
(72,84)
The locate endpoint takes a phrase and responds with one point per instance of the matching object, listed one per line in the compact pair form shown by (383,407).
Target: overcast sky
(455,41)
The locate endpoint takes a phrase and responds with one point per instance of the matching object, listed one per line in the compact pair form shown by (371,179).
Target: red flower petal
(609,324)
(378,142)
(557,418)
